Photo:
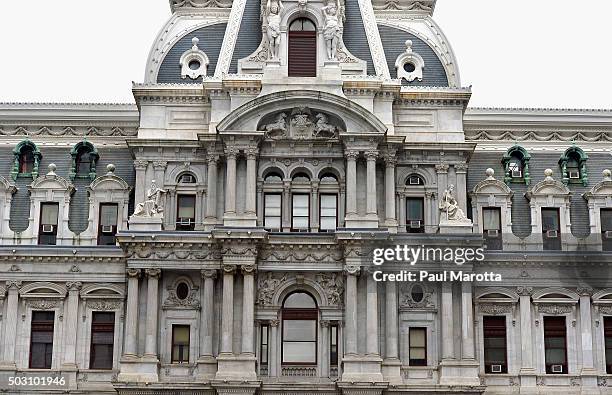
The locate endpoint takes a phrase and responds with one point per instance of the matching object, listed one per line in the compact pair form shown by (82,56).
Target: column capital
(584,291)
(229,269)
(461,167)
(390,160)
(352,270)
(442,168)
(212,158)
(133,272)
(248,270)
(153,273)
(13,284)
(74,285)
(251,153)
(325,323)
(351,154)
(231,152)
(140,164)
(371,155)
(160,165)
(208,273)
(274,323)
(524,291)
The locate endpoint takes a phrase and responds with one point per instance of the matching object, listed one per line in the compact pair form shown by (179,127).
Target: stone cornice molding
(169,94)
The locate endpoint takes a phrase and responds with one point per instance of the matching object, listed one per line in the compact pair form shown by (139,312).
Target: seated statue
(152,206)
(450,206)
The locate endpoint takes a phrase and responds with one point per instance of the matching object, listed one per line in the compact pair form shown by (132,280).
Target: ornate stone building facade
(215,237)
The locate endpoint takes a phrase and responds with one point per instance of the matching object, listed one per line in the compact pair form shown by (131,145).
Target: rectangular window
(180,343)
(418,347)
(608,343)
(606,228)
(328,212)
(107,229)
(299,341)
(551,229)
(555,345)
(41,339)
(185,212)
(491,226)
(264,348)
(47,231)
(102,340)
(415,215)
(300,213)
(333,346)
(272,212)
(495,354)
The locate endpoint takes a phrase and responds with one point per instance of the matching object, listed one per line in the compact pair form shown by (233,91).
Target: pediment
(488,187)
(109,182)
(549,187)
(301,123)
(53,182)
(7,186)
(603,189)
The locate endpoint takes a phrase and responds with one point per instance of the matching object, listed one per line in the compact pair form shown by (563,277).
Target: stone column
(402,211)
(351,183)
(227,317)
(461,187)
(152,312)
(10,324)
(372,317)
(199,215)
(448,350)
(211,189)
(442,171)
(286,205)
(71,318)
(170,210)
(467,322)
(351,310)
(251,182)
(314,204)
(207,315)
(131,316)
(324,348)
(527,371)
(260,205)
(391,318)
(274,354)
(390,215)
(248,309)
(230,181)
(586,332)
(141,178)
(371,157)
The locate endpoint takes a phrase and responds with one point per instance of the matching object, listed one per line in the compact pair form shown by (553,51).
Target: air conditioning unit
(48,228)
(185,221)
(552,234)
(303,230)
(574,174)
(107,229)
(556,368)
(492,232)
(187,179)
(415,224)
(517,173)
(414,181)
(496,368)
(608,234)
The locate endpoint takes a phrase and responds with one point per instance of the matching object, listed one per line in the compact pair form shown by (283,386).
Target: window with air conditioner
(494,341)
(48,223)
(415,214)
(555,345)
(300,213)
(328,218)
(551,229)
(491,225)
(516,168)
(272,212)
(108,224)
(186,205)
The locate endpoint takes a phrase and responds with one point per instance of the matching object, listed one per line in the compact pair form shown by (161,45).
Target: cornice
(58,254)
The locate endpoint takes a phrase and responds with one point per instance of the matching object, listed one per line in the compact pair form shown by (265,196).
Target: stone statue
(278,128)
(331,30)
(323,128)
(273,10)
(450,206)
(152,206)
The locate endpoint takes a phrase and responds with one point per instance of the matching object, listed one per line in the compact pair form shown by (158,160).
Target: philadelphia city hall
(214,238)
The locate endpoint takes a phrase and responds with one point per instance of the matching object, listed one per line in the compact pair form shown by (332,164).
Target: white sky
(515,53)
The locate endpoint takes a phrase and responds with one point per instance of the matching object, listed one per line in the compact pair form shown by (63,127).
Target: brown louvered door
(302,53)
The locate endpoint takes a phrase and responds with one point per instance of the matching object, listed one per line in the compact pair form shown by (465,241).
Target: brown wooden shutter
(302,53)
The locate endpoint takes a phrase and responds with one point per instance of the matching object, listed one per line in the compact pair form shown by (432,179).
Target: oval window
(409,67)
(182,291)
(417,293)
(195,64)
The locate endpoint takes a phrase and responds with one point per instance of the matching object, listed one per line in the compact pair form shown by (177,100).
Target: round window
(417,293)
(194,64)
(182,291)
(409,67)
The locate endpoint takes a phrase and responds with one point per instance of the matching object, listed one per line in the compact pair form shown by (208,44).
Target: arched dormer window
(573,166)
(516,165)
(302,48)
(27,160)
(300,314)
(84,160)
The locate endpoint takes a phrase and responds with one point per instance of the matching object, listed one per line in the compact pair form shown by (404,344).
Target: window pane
(299,352)
(415,209)
(300,300)
(299,330)
(417,337)
(108,215)
(491,219)
(417,353)
(49,213)
(606,219)
(186,206)
(328,223)
(550,219)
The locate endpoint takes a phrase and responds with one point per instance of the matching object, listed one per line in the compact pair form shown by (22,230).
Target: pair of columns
(231,156)
(467,322)
(248,310)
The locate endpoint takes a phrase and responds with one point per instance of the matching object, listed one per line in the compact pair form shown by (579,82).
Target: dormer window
(516,165)
(302,48)
(84,158)
(573,166)
(83,161)
(27,159)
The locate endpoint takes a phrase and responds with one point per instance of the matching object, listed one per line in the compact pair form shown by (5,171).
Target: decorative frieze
(104,304)
(43,304)
(495,308)
(57,131)
(555,309)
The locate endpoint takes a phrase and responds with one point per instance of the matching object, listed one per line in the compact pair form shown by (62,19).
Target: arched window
(84,158)
(300,203)
(573,166)
(186,178)
(328,202)
(415,204)
(516,165)
(26,160)
(302,48)
(273,177)
(299,332)
(273,202)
